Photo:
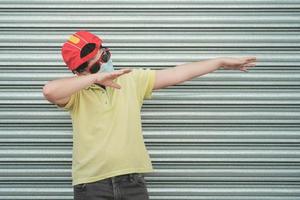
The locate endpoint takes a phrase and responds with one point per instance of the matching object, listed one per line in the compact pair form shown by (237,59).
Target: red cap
(71,49)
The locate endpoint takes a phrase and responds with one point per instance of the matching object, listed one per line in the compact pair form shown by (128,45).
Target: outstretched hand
(106,78)
(242,63)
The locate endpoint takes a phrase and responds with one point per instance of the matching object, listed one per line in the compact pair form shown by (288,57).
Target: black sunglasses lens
(95,68)
(106,56)
(80,70)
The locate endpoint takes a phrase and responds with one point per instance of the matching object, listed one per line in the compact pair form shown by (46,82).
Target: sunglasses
(104,58)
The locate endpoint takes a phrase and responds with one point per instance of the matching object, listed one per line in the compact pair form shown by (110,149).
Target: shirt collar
(93,86)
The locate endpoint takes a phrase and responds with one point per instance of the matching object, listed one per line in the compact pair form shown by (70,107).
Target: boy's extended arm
(184,72)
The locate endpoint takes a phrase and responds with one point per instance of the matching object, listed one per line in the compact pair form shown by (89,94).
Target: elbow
(48,94)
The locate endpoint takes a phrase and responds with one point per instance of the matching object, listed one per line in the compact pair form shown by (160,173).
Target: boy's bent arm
(59,91)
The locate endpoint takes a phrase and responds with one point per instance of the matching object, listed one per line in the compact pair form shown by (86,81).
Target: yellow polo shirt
(107,129)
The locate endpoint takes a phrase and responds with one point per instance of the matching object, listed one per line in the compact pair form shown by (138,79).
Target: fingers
(110,83)
(246,66)
(244,69)
(107,78)
(125,71)
(249,65)
(248,59)
(120,72)
(114,85)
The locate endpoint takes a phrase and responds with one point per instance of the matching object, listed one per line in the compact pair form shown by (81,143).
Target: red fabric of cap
(71,49)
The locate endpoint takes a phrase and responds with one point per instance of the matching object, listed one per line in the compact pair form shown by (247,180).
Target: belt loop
(131,176)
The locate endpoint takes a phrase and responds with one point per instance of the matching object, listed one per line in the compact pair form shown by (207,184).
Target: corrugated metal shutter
(225,135)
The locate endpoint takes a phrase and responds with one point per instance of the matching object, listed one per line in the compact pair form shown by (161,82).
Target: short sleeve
(144,79)
(72,103)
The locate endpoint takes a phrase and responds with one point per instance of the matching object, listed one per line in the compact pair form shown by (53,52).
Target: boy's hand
(106,78)
(238,63)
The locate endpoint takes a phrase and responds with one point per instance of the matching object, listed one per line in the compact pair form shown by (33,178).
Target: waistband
(122,177)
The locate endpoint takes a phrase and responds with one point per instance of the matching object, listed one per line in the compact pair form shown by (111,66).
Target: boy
(109,154)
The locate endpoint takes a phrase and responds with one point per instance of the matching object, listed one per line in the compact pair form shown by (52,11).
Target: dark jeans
(124,187)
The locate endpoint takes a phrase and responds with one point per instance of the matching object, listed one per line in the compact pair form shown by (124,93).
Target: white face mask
(107,67)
